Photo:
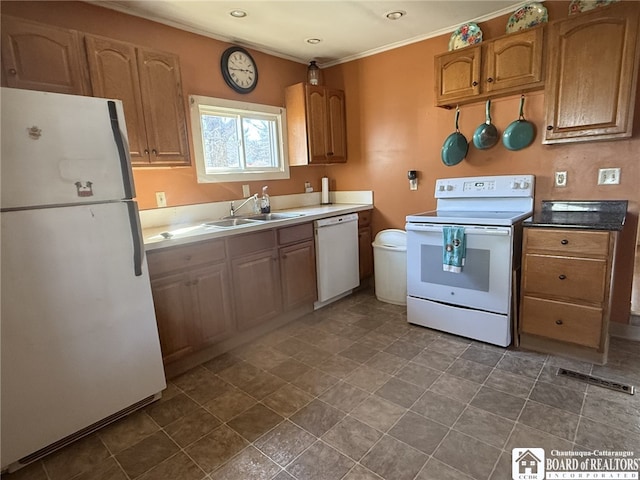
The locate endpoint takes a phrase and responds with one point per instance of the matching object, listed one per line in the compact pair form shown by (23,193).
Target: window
(238,141)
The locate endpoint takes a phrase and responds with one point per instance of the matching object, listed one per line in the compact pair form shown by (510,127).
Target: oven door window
(485,280)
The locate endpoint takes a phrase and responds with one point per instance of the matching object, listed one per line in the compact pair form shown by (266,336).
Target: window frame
(198,103)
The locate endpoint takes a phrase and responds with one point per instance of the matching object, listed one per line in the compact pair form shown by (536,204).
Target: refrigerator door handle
(136,236)
(123,151)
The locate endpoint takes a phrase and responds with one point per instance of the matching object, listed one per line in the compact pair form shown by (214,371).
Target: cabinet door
(113,71)
(365,251)
(163,107)
(298,273)
(212,299)
(256,287)
(41,57)
(336,130)
(514,61)
(317,123)
(457,74)
(175,316)
(593,63)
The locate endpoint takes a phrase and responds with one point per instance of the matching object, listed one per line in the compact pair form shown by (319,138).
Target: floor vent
(600,382)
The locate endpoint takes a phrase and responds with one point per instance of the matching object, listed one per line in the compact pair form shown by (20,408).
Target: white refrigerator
(79,340)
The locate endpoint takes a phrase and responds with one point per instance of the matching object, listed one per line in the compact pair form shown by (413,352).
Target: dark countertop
(584,214)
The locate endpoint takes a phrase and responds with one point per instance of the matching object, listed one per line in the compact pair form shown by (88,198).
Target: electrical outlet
(246,192)
(561,179)
(161,199)
(608,176)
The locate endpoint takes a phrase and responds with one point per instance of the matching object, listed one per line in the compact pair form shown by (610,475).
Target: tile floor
(353,392)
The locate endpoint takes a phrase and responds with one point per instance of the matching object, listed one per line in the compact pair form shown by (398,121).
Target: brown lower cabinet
(208,293)
(365,241)
(566,291)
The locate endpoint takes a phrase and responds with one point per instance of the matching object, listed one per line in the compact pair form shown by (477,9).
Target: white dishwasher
(337,264)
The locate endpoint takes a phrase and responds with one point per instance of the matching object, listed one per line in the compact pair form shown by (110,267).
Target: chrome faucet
(233,210)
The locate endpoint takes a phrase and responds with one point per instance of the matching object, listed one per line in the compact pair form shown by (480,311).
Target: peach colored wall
(200,68)
(392,124)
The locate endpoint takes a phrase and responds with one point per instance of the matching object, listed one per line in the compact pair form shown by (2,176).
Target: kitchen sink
(266,217)
(230,222)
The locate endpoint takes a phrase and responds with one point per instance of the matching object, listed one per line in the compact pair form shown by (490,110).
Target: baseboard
(623,330)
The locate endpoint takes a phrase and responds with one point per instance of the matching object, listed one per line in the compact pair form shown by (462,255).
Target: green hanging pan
(520,133)
(455,147)
(486,135)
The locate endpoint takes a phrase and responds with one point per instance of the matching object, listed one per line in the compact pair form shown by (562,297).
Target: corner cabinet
(316,125)
(566,291)
(149,84)
(42,57)
(592,75)
(504,66)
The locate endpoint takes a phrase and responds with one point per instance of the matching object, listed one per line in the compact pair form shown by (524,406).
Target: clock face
(239,70)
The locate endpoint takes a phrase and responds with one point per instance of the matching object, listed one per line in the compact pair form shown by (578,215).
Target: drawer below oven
(566,322)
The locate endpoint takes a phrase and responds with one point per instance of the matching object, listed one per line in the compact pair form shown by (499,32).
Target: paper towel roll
(325,191)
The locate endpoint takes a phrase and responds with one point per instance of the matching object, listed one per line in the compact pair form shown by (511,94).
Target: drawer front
(364,218)
(170,259)
(562,321)
(568,242)
(252,242)
(573,278)
(294,234)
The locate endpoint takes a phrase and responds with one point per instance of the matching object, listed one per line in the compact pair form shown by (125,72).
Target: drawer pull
(562,277)
(564,241)
(558,322)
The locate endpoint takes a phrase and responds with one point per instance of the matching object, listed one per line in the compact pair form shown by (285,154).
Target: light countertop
(196,231)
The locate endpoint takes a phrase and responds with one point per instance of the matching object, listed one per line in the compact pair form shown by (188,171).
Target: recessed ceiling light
(313,41)
(238,13)
(395,15)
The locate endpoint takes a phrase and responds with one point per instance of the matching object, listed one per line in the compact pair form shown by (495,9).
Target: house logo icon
(527,464)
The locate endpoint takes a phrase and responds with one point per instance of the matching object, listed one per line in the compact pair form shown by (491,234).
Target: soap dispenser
(265,206)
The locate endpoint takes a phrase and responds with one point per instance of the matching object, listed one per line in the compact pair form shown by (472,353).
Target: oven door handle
(475,230)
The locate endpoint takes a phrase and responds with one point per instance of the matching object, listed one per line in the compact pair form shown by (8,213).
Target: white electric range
(477,302)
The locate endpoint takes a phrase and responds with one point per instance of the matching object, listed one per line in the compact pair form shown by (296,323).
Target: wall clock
(239,69)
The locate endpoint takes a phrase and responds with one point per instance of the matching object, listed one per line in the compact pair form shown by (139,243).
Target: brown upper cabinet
(41,57)
(592,75)
(149,85)
(316,125)
(507,65)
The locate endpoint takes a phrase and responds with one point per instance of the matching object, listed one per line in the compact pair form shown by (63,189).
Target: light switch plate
(561,179)
(608,176)
(246,192)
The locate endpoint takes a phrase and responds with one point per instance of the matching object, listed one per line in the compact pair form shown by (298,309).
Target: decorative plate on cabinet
(467,34)
(577,6)
(528,16)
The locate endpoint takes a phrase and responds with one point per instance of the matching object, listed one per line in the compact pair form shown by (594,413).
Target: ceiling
(347,29)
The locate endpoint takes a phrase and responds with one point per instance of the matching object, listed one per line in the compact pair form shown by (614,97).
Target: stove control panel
(496,186)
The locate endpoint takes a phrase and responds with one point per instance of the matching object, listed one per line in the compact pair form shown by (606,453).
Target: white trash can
(390,266)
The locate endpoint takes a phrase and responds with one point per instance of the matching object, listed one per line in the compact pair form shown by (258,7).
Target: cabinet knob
(562,277)
(155,152)
(474,84)
(489,80)
(549,127)
(564,241)
(558,322)
(146,151)
(13,71)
